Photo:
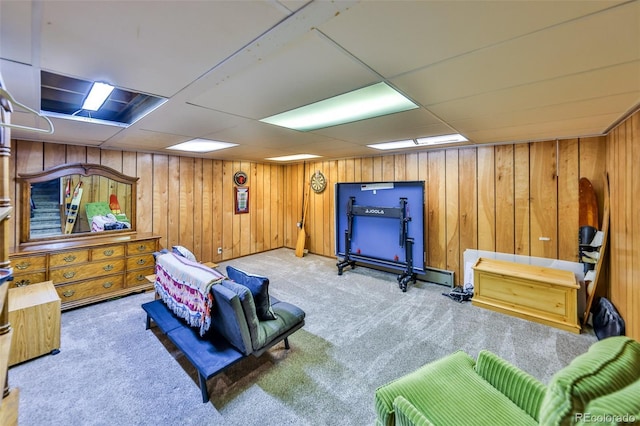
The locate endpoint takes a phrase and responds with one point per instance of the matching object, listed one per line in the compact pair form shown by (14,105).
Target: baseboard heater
(431,275)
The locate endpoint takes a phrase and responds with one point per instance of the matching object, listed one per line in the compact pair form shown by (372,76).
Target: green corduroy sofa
(601,386)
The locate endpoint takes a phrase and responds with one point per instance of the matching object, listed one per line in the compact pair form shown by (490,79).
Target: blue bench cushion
(208,356)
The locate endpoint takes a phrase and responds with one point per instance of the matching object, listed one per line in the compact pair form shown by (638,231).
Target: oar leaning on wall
(302,234)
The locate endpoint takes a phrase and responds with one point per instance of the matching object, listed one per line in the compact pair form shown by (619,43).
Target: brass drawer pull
(23,283)
(108,252)
(23,265)
(108,267)
(68,293)
(142,247)
(140,277)
(107,284)
(68,275)
(69,258)
(141,261)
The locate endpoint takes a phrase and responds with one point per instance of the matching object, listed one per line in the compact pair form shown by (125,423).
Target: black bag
(607,321)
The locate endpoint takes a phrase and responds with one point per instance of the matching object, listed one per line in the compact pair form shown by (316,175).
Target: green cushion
(101,208)
(517,385)
(98,208)
(407,414)
(610,365)
(449,391)
(622,406)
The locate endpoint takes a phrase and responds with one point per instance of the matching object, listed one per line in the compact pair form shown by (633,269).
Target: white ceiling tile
(187,120)
(555,121)
(402,125)
(589,85)
(398,37)
(594,42)
(157,48)
(300,73)
(15,31)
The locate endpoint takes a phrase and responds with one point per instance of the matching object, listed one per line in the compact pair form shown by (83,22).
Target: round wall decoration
(240,178)
(318,182)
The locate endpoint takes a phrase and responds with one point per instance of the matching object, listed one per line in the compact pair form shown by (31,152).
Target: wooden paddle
(302,235)
(588,205)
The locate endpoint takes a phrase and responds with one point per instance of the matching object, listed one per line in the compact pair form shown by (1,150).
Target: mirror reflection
(79,204)
(74,200)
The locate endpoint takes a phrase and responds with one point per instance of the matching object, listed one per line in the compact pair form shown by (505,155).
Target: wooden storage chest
(536,293)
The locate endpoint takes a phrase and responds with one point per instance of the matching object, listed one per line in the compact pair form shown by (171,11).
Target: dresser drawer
(28,264)
(88,270)
(142,261)
(110,252)
(138,277)
(23,280)
(140,247)
(71,292)
(68,258)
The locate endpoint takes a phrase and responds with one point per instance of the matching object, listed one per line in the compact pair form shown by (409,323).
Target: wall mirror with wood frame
(76,200)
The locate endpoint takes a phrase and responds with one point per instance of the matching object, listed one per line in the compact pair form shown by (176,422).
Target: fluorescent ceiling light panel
(97,95)
(409,143)
(436,140)
(368,102)
(201,145)
(293,157)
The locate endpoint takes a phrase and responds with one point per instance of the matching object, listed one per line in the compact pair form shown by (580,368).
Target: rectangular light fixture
(201,145)
(97,95)
(369,102)
(293,157)
(411,143)
(442,139)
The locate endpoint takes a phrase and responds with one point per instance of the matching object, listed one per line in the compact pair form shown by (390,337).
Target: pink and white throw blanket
(184,286)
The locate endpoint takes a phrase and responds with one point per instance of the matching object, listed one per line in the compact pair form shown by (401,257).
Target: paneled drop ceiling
(494,71)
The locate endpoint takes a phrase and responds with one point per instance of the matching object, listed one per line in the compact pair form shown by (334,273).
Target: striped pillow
(610,365)
(619,407)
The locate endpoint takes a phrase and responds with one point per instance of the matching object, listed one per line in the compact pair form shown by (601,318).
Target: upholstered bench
(208,356)
(244,319)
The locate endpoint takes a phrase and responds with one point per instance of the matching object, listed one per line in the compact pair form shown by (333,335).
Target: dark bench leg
(203,388)
(286,343)
(148,325)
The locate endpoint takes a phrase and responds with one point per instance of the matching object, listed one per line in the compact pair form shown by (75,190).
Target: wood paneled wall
(187,201)
(520,199)
(623,165)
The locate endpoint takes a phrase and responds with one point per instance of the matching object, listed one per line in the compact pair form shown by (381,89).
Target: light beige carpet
(361,331)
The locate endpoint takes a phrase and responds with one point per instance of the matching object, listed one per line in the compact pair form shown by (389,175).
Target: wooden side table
(34,315)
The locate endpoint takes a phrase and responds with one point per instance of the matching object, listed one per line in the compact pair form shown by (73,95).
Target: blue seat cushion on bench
(209,356)
(262,333)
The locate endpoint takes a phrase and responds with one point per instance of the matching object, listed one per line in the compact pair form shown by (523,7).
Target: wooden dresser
(88,270)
